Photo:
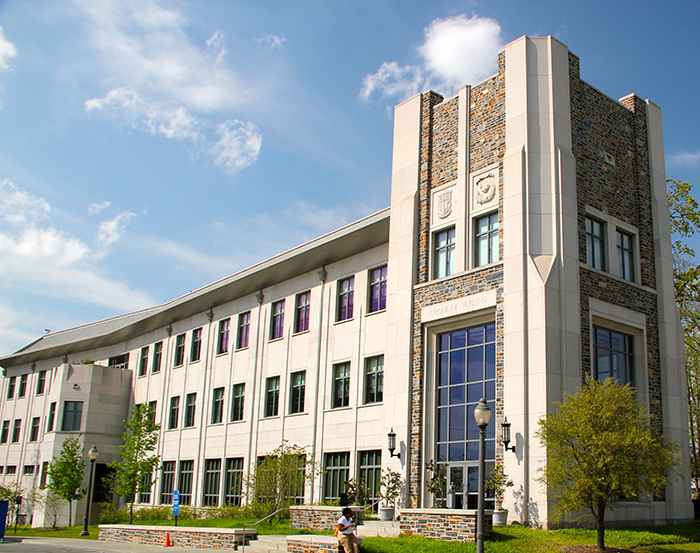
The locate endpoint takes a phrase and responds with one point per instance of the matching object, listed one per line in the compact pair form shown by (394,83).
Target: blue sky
(148,148)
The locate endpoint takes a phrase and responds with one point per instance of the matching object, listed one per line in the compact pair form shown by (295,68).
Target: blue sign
(176,503)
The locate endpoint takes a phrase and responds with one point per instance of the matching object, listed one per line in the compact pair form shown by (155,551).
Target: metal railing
(259,521)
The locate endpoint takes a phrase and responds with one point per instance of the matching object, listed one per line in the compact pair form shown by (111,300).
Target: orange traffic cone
(168,543)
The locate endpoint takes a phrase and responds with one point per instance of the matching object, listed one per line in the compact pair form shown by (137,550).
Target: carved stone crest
(485,188)
(444,204)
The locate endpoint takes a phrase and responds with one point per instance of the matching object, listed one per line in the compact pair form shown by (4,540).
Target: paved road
(13,544)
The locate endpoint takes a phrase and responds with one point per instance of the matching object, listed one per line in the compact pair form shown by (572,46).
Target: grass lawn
(683,538)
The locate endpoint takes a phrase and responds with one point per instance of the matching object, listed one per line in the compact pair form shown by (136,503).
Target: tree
(66,473)
(600,449)
(279,479)
(9,492)
(685,222)
(134,473)
(50,503)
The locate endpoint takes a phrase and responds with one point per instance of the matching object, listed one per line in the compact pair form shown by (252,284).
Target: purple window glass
(301,324)
(222,346)
(346,289)
(243,329)
(377,290)
(277,328)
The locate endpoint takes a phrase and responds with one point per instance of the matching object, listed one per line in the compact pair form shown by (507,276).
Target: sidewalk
(55,545)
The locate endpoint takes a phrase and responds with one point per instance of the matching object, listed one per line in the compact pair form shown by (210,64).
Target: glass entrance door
(463,486)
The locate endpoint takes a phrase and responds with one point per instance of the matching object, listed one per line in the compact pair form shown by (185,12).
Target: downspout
(322,274)
(259,297)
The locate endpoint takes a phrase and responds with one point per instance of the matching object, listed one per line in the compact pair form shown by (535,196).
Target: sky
(150,147)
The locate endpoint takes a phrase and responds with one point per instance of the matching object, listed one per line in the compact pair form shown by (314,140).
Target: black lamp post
(392,444)
(92,454)
(482,414)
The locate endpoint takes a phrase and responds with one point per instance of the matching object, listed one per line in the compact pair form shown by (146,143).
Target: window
(41,383)
(444,261)
(190,404)
(179,350)
(595,244)
(371,472)
(22,386)
(298,391)
(337,472)
(72,416)
(486,244)
(2,470)
(466,372)
(184,483)
(34,432)
(51,417)
(143,361)
(238,394)
(233,483)
(145,488)
(341,385)
(625,256)
(152,411)
(157,354)
(5,432)
(212,477)
(11,387)
(612,356)
(196,347)
(174,412)
(277,320)
(374,379)
(167,482)
(217,406)
(222,344)
(28,469)
(243,330)
(272,396)
(119,362)
(16,430)
(11,469)
(377,289)
(44,475)
(346,294)
(301,318)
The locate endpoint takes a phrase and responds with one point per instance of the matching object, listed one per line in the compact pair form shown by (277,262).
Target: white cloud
(685,159)
(217,48)
(271,42)
(456,51)
(238,146)
(36,257)
(183,254)
(94,209)
(7,51)
(17,327)
(111,231)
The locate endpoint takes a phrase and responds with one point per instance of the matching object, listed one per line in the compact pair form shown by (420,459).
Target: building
(527,245)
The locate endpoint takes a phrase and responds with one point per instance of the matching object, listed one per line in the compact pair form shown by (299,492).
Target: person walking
(346,532)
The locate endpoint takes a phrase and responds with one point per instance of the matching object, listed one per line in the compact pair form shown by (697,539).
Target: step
(266,544)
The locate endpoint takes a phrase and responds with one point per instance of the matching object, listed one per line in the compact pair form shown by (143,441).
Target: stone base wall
(315,517)
(205,538)
(313,544)
(444,524)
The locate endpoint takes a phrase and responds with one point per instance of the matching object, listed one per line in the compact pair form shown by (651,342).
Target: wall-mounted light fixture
(392,444)
(505,435)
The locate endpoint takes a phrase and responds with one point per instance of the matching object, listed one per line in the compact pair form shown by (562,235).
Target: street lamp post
(482,414)
(92,454)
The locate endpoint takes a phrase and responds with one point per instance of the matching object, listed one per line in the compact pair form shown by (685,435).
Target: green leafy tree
(685,222)
(600,448)
(134,473)
(279,479)
(67,472)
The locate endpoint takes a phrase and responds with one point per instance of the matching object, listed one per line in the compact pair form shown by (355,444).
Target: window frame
(490,238)
(51,417)
(179,350)
(16,431)
(185,478)
(11,384)
(190,410)
(34,431)
(627,354)
(167,482)
(238,402)
(277,320)
(345,299)
(174,413)
(233,481)
(72,417)
(40,383)
(302,312)
(22,388)
(297,392)
(196,345)
(5,433)
(595,241)
(377,289)
(243,336)
(157,357)
(272,396)
(374,380)
(211,482)
(444,254)
(625,254)
(217,405)
(341,386)
(222,340)
(143,360)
